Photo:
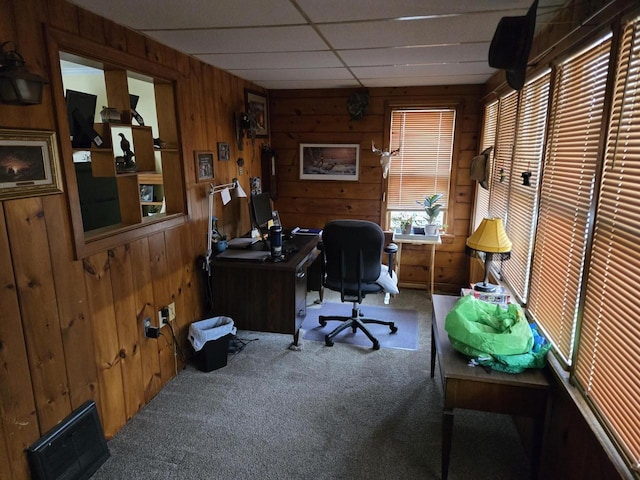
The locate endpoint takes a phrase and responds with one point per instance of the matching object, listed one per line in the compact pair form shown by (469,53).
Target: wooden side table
(473,388)
(400,239)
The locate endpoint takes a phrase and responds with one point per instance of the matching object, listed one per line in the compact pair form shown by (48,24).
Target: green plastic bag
(483,327)
(494,336)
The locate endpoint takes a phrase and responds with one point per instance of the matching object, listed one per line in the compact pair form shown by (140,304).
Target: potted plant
(432,207)
(405,225)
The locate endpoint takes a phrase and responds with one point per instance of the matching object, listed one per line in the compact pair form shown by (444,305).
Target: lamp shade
(490,237)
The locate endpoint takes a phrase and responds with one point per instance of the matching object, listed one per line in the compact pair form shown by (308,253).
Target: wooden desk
(416,240)
(265,296)
(473,388)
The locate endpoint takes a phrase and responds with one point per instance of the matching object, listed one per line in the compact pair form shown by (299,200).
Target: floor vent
(72,450)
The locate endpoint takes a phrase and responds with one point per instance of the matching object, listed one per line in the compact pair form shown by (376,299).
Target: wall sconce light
(18,86)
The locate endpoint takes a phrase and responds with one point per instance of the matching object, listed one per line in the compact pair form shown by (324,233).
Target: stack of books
(500,296)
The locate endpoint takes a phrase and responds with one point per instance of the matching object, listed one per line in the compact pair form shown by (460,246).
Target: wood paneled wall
(321,116)
(71,330)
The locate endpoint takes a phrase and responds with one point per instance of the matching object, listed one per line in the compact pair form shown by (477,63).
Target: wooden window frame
(88,244)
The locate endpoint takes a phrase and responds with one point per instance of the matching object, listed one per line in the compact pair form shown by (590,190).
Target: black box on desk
(213,355)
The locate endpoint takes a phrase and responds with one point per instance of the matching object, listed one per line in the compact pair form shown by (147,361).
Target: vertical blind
(523,199)
(566,194)
(608,354)
(423,165)
(487,139)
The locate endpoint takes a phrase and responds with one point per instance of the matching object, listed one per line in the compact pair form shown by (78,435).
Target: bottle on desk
(275,239)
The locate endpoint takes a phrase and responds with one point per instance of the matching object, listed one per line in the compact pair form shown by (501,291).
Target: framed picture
(29,163)
(146,193)
(224,151)
(256,105)
(331,161)
(204,166)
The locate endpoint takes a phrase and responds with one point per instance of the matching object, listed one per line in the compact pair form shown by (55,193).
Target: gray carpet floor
(341,412)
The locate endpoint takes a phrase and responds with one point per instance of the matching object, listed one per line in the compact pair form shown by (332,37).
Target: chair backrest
(353,255)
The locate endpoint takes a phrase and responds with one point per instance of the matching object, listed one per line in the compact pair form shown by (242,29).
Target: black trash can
(210,341)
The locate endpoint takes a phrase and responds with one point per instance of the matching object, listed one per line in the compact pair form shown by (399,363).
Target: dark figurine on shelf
(125,163)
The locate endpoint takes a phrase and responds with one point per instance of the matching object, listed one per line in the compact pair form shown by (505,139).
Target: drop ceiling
(292,44)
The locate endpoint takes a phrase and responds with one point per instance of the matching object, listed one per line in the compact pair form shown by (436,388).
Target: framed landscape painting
(330,161)
(29,163)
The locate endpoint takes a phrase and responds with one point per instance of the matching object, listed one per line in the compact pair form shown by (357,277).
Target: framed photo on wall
(29,163)
(204,166)
(256,105)
(224,151)
(331,161)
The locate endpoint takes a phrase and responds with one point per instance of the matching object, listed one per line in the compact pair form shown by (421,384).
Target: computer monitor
(261,210)
(81,111)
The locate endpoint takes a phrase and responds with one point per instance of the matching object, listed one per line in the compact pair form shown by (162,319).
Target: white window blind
(423,165)
(499,196)
(487,139)
(566,194)
(523,198)
(608,355)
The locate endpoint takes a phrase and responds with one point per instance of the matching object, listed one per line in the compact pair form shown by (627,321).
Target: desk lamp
(490,239)
(224,189)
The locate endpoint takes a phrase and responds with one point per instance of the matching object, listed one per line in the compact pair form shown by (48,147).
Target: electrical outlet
(172,311)
(160,319)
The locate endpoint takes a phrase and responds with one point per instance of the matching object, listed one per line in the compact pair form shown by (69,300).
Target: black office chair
(352,252)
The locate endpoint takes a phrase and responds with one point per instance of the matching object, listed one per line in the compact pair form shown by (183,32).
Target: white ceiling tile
(294,74)
(245,61)
(418,81)
(416,55)
(342,11)
(438,31)
(423,70)
(171,14)
(276,44)
(241,40)
(304,84)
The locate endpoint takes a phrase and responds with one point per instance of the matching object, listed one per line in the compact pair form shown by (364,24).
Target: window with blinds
(487,139)
(423,165)
(566,194)
(523,195)
(503,154)
(607,365)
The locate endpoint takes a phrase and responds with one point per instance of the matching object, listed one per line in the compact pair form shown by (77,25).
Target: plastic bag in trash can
(210,329)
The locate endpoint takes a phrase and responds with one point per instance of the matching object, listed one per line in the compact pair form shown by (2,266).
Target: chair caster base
(376,345)
(393,328)
(328,342)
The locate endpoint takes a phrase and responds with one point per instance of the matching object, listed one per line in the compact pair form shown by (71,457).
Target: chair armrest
(391,249)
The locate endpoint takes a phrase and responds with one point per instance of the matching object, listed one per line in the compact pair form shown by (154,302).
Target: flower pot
(430,229)
(406,229)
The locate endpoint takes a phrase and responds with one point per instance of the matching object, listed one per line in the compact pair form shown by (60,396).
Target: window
(567,193)
(423,165)
(489,126)
(104,179)
(608,357)
(584,262)
(507,111)
(523,182)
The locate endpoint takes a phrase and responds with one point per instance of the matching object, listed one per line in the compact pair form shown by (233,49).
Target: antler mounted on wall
(385,158)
